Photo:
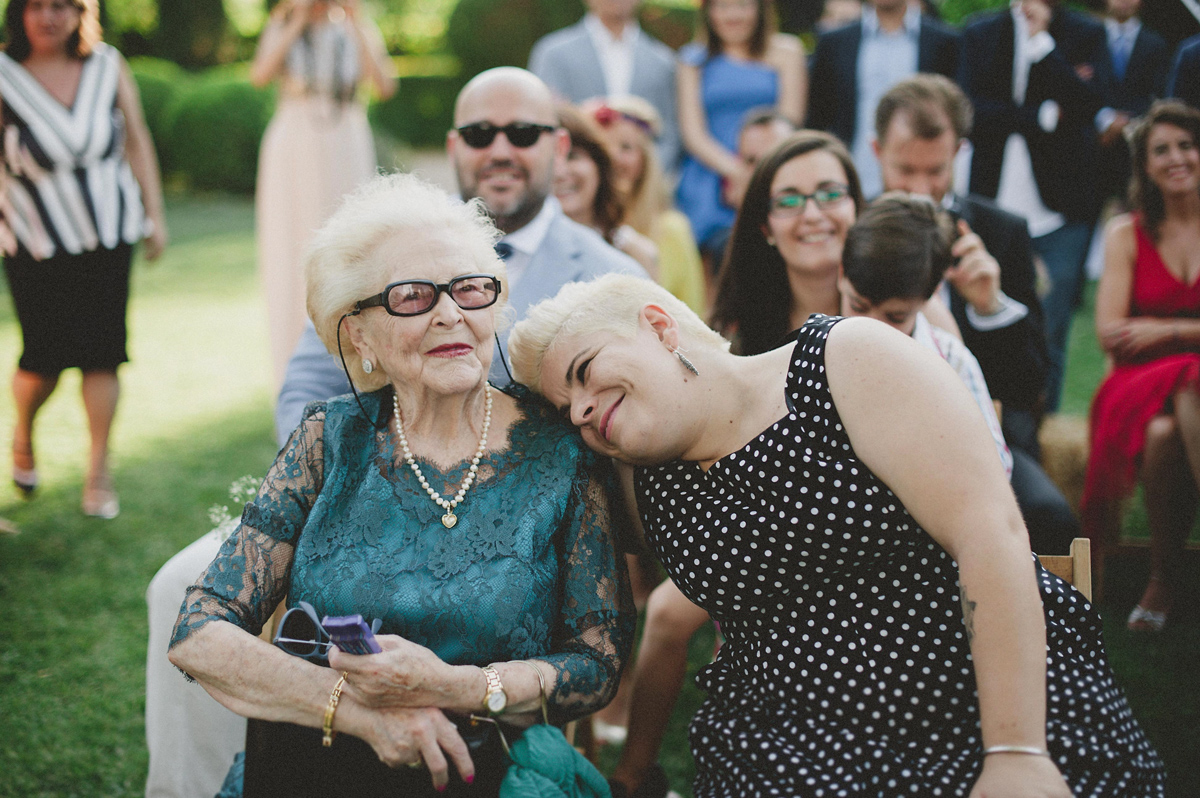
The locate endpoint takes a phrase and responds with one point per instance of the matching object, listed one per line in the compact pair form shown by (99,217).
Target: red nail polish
(442,787)
(470,779)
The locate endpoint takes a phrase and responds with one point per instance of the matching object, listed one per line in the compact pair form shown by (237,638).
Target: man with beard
(504,145)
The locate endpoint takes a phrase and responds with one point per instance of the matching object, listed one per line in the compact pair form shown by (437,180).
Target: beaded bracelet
(1016,749)
(327,732)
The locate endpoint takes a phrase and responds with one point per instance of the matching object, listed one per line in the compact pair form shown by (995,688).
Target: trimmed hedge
(158,82)
(489,33)
(422,110)
(215,130)
(207,126)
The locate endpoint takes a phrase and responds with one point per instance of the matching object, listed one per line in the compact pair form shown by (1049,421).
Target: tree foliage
(190,33)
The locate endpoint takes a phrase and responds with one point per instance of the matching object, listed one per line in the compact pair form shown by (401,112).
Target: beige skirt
(313,153)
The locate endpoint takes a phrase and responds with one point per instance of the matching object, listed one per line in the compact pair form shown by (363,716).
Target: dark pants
(1064,252)
(1052,526)
(1048,517)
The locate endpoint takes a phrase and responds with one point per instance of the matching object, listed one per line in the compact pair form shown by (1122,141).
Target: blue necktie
(1120,55)
(504,250)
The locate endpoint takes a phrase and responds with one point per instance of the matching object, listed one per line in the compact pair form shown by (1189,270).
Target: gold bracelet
(1016,749)
(327,732)
(541,686)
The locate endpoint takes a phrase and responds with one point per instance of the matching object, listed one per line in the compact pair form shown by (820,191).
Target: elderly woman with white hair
(838,506)
(472,522)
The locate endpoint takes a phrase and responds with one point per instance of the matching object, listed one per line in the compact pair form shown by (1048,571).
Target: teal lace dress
(530,570)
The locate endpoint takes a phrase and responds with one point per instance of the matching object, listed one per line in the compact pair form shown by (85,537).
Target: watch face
(497,701)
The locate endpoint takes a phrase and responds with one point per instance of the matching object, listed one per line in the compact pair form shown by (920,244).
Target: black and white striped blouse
(68,184)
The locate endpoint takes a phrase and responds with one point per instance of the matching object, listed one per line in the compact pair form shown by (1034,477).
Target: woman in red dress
(1145,420)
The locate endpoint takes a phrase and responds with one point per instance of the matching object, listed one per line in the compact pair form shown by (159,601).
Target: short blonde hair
(609,304)
(340,269)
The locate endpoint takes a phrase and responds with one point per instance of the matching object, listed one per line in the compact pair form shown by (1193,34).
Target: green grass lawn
(195,415)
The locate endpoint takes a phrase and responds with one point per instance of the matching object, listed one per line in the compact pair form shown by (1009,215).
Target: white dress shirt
(615,52)
(1018,191)
(528,240)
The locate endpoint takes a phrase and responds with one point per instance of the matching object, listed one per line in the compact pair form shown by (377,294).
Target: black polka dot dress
(846,670)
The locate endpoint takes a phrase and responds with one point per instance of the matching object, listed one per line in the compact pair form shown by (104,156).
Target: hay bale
(1064,442)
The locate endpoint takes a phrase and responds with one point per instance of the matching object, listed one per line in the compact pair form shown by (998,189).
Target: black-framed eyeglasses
(414,297)
(793,203)
(478,135)
(301,634)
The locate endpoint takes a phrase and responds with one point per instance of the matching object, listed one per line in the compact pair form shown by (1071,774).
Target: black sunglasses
(478,135)
(414,297)
(300,633)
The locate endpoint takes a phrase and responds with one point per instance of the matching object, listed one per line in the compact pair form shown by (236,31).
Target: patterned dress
(846,670)
(529,571)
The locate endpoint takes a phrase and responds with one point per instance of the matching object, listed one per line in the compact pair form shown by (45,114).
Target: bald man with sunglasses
(505,146)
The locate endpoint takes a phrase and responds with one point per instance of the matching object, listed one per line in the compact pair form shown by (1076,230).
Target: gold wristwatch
(495,699)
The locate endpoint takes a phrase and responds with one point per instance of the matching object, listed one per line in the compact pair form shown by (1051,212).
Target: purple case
(351,634)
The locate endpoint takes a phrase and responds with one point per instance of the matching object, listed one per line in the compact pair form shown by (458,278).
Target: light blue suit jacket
(566,60)
(569,253)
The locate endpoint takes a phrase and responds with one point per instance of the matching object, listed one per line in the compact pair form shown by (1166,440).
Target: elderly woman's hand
(403,736)
(406,674)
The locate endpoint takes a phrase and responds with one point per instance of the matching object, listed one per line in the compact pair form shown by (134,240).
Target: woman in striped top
(80,188)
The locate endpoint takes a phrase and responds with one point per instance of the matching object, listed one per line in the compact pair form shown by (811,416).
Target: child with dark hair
(893,261)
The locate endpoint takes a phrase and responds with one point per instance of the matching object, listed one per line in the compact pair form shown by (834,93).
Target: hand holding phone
(351,634)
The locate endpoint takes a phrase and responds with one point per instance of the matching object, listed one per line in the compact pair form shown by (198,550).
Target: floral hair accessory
(606,116)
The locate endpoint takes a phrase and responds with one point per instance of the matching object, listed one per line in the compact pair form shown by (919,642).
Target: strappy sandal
(1144,620)
(99,503)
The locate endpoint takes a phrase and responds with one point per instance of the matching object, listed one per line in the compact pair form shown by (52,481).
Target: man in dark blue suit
(1140,61)
(1039,75)
(854,66)
(1184,80)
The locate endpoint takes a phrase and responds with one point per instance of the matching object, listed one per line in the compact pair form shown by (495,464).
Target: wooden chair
(1074,568)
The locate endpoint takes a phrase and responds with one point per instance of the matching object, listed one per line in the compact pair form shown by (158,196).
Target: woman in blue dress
(742,65)
(473,523)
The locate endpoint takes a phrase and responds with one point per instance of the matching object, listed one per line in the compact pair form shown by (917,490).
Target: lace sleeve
(249,576)
(597,623)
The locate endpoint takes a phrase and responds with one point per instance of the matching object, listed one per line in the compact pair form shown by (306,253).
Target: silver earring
(771,240)
(368,366)
(687,364)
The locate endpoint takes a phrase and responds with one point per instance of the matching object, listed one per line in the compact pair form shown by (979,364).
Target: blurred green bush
(207,126)
(488,33)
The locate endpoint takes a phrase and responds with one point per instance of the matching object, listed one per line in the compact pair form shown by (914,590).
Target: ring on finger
(415,765)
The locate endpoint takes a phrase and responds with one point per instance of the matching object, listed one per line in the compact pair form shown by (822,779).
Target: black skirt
(71,308)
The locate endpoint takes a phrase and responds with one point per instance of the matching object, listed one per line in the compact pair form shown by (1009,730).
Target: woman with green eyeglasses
(472,522)
(786,248)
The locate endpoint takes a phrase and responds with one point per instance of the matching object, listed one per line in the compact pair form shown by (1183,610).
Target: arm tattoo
(968,613)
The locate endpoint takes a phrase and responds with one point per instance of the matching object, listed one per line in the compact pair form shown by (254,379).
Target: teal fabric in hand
(530,569)
(545,765)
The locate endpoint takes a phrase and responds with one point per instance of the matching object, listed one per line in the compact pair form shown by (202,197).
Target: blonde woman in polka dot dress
(838,506)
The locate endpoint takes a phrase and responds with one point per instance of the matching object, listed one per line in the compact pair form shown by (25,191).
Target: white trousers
(192,739)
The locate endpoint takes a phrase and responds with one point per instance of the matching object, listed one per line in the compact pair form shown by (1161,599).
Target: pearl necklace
(449,519)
